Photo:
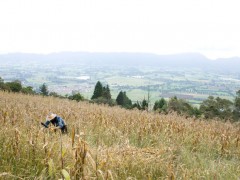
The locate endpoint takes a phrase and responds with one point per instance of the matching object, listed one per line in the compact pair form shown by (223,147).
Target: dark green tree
(137,105)
(14,86)
(209,108)
(236,111)
(224,107)
(127,103)
(102,100)
(106,93)
(120,99)
(98,90)
(216,108)
(174,105)
(3,85)
(44,90)
(181,106)
(144,105)
(54,94)
(102,95)
(28,90)
(123,100)
(195,112)
(160,105)
(77,97)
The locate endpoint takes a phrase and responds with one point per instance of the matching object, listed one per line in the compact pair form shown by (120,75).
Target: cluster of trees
(102,95)
(16,86)
(221,108)
(174,104)
(213,107)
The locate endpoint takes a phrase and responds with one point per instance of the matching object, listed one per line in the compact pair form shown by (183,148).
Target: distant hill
(185,60)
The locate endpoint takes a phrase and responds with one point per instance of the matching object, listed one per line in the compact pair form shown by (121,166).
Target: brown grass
(112,143)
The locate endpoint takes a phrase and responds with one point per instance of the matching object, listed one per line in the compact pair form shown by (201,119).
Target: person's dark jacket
(57,121)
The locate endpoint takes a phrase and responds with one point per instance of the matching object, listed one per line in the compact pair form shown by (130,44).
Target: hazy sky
(211,27)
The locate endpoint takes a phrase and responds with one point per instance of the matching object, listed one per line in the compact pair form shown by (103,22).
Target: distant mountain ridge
(185,60)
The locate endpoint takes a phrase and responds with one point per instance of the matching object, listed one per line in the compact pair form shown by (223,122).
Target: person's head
(51,116)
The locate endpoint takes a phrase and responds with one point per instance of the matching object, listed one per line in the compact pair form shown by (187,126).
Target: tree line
(17,87)
(212,107)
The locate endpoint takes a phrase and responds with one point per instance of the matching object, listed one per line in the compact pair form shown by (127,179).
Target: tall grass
(111,143)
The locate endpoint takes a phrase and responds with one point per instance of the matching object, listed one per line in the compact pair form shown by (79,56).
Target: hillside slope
(111,143)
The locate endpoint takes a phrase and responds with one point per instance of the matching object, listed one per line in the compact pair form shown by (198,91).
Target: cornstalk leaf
(66,174)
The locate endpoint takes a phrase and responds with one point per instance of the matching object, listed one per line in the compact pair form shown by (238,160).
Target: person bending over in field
(57,121)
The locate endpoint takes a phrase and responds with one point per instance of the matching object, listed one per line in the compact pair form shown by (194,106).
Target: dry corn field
(111,143)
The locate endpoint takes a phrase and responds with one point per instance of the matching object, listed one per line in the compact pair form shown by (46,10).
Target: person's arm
(47,123)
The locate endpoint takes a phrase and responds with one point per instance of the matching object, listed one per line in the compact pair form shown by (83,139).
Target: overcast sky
(210,27)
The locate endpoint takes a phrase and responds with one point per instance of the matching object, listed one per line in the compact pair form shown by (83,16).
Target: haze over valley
(190,76)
